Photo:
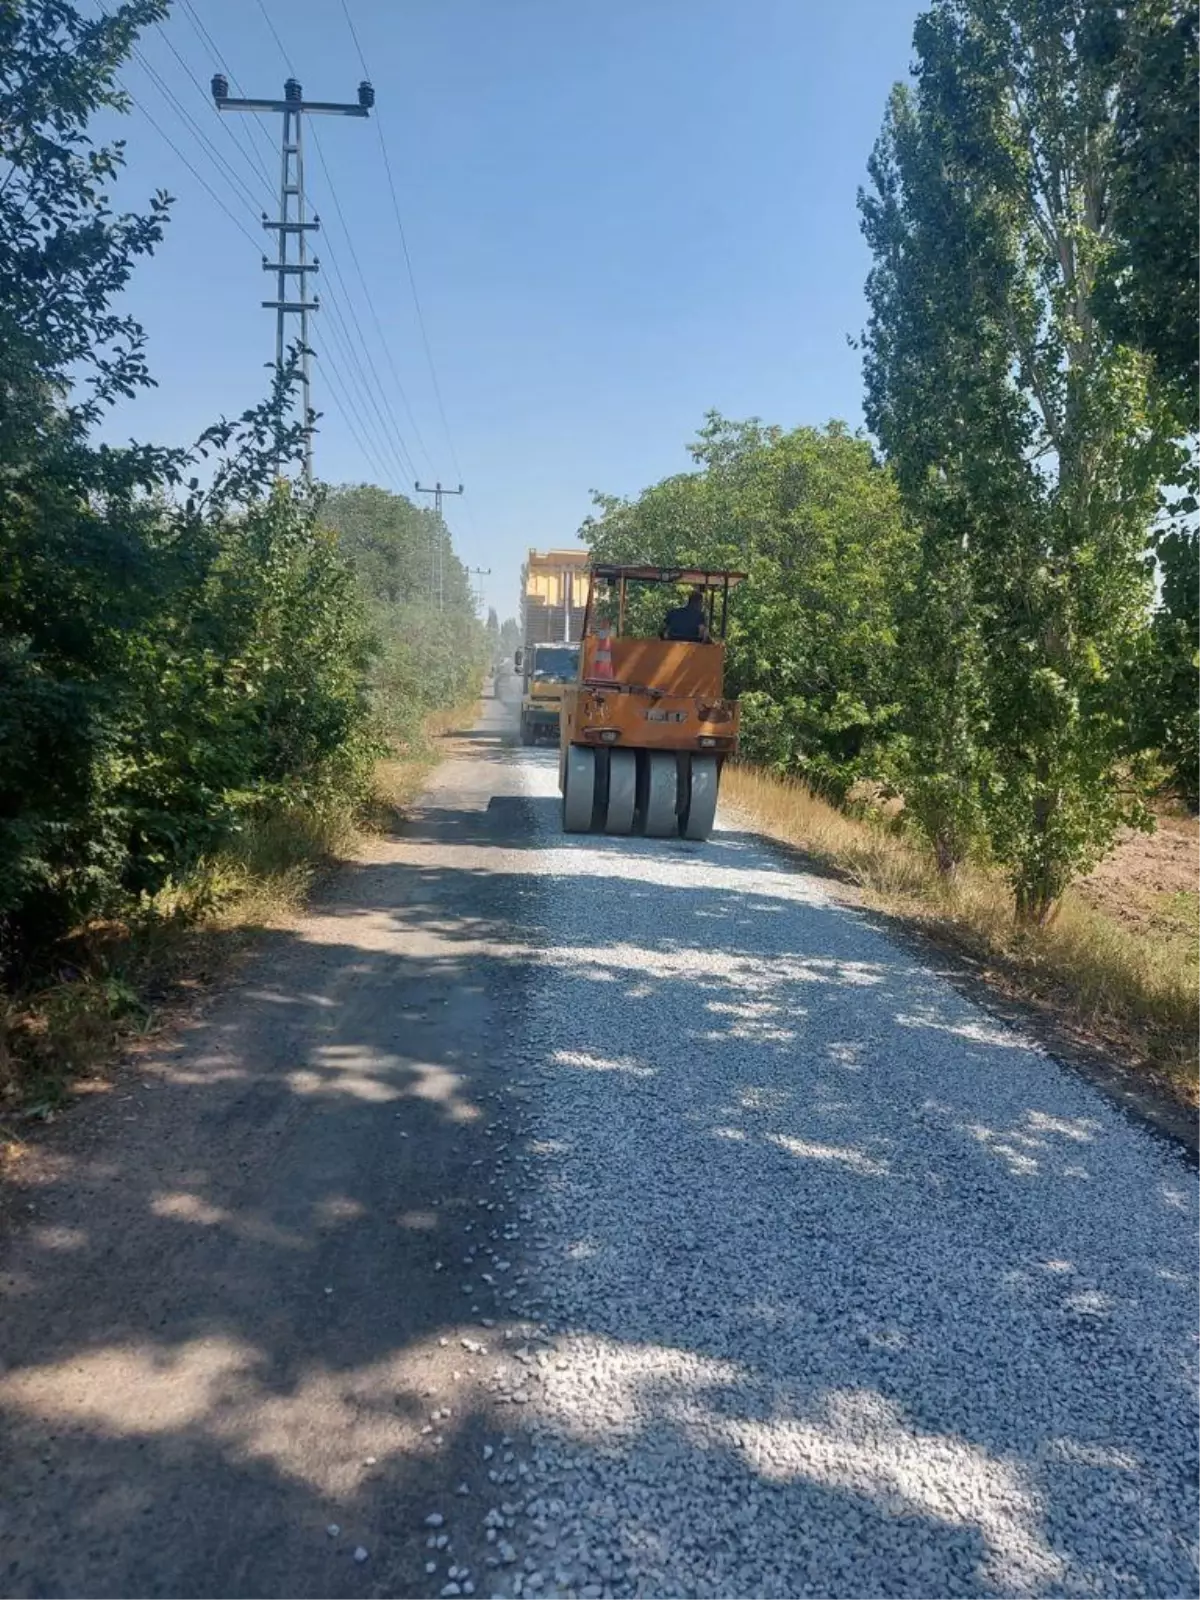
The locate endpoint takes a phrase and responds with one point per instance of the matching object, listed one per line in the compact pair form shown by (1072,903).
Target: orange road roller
(646,727)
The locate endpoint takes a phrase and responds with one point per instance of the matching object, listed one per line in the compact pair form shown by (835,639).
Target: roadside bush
(174,662)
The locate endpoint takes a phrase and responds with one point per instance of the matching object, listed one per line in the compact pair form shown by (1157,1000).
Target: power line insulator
(220,87)
(292,91)
(366,95)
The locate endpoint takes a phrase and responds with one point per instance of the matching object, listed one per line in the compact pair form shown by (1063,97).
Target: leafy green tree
(1149,284)
(1026,440)
(1147,296)
(940,760)
(171,659)
(510,639)
(429,655)
(1164,684)
(63,257)
(817,526)
(391,541)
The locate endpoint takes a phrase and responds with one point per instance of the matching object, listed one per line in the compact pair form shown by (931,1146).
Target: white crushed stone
(852,1291)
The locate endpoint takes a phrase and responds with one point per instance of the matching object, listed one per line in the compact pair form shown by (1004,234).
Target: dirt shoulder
(1149,883)
(240,1349)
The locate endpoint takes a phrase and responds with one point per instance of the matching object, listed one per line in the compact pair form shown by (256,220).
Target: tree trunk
(1036,903)
(1039,883)
(946,855)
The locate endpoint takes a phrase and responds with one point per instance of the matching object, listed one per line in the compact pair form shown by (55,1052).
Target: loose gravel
(847,1289)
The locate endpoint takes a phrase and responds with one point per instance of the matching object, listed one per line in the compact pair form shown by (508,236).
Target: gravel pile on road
(851,1290)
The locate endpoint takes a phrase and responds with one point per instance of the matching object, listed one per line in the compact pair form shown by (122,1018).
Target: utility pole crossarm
(327,107)
(437,491)
(293,100)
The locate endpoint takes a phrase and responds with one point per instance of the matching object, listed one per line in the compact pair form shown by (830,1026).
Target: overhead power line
(202,139)
(362,60)
(340,390)
(257,170)
(257,124)
(343,385)
(383,342)
(287,60)
(412,283)
(361,366)
(408,266)
(392,427)
(202,181)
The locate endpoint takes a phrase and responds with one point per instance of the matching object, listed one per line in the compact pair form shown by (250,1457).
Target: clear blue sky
(620,213)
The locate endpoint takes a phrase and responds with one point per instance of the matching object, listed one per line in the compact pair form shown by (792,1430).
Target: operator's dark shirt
(683,623)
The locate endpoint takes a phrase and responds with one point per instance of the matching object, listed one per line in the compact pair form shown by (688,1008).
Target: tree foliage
(504,637)
(173,659)
(1030,445)
(1149,286)
(975,623)
(510,636)
(430,648)
(1147,296)
(1163,688)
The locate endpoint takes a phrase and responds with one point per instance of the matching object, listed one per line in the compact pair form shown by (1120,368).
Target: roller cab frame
(647,727)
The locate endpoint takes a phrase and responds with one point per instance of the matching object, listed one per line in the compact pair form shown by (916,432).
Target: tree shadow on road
(223,1313)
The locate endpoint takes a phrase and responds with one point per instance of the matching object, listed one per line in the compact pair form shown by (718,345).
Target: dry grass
(398,782)
(119,980)
(1131,990)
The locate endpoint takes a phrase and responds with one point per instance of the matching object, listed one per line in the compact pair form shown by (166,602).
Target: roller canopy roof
(698,577)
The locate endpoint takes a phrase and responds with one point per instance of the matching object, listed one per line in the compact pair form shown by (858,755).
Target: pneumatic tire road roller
(646,728)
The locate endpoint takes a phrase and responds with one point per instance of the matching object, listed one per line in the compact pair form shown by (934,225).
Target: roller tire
(579,789)
(703,780)
(661,812)
(622,791)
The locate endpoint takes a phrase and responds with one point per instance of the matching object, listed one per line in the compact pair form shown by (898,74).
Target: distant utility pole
(293,223)
(437,567)
(477,588)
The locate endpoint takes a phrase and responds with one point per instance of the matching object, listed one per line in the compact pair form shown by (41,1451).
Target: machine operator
(687,621)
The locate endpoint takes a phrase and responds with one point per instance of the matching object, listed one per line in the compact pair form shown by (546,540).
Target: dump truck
(553,584)
(647,727)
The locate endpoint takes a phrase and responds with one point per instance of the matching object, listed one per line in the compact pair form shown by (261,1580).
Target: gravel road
(597,1217)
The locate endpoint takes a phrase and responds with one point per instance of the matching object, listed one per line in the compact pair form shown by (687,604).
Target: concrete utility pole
(293,222)
(437,569)
(477,588)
